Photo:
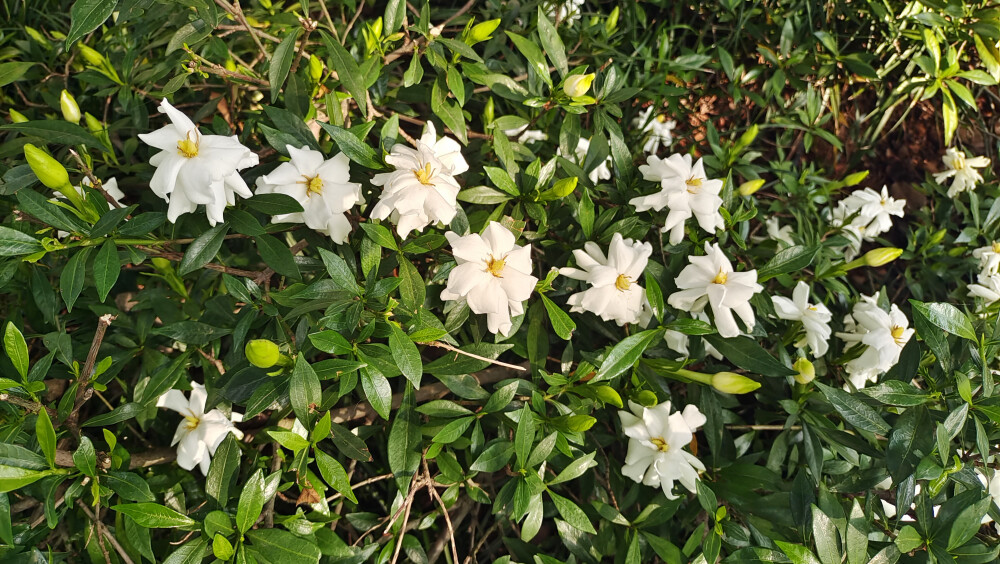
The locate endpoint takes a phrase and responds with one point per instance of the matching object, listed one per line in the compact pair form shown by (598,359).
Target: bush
(499,281)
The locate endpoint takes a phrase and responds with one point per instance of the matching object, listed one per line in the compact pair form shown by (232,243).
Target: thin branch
(361,484)
(177,257)
(94,181)
(444,509)
(442,345)
(83,389)
(32,406)
(236,11)
(107,534)
(347,31)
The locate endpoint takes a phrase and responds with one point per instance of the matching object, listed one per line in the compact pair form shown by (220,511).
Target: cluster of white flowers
(658,130)
(884,333)
(815,318)
(864,215)
(600,172)
(961,170)
(685,191)
(988,286)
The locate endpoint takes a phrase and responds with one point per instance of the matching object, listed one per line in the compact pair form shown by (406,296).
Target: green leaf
(203,249)
(561,322)
(275,546)
(748,355)
(341,274)
(36,205)
(192,332)
(626,353)
(274,204)
(946,317)
(406,355)
(14,243)
(244,223)
(788,260)
(404,443)
(291,441)
(121,413)
(574,469)
(524,436)
(128,485)
(967,523)
(798,554)
(86,16)
(460,48)
(453,430)
(572,514)
(494,457)
(223,470)
(107,267)
(377,390)
(334,474)
(894,392)
(12,72)
(154,516)
(73,277)
(305,390)
(857,413)
(908,539)
(277,255)
(222,548)
(534,55)
(412,292)
(379,234)
(251,502)
(552,43)
(16,347)
(14,478)
(857,535)
(349,443)
(57,132)
(46,435)
(348,73)
(825,537)
(6,530)
(85,457)
(281,62)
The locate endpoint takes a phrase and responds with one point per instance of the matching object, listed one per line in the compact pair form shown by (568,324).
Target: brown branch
(442,345)
(94,181)
(107,534)
(83,389)
(177,257)
(417,121)
(153,457)
(31,406)
(425,393)
(414,46)
(236,11)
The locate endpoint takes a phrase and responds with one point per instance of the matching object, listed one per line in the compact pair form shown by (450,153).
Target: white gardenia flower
(601,172)
(684,191)
(322,187)
(883,333)
(815,318)
(614,293)
(423,189)
(962,171)
(200,433)
(988,288)
(678,342)
(493,275)
(564,10)
(657,437)
(523,134)
(783,235)
(659,130)
(989,258)
(710,279)
(193,169)
(874,211)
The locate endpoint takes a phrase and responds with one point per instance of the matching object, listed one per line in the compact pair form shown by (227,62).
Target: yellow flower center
(958,163)
(191,422)
(314,185)
(996,246)
(622,283)
(188,147)
(897,333)
(693,184)
(720,278)
(660,444)
(661,118)
(495,266)
(424,175)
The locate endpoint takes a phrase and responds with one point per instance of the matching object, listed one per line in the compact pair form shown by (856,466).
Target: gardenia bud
(70,109)
(806,371)
(91,56)
(17,117)
(262,353)
(315,68)
(94,125)
(578,84)
(48,170)
(751,186)
(483,31)
(732,383)
(881,256)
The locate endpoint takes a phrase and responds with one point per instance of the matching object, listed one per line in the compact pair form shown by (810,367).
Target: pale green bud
(315,68)
(751,186)
(578,84)
(483,31)
(70,109)
(612,22)
(48,170)
(647,398)
(90,55)
(17,117)
(94,125)
(262,353)
(806,371)
(882,256)
(733,383)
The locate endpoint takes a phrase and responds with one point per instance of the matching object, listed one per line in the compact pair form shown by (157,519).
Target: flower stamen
(897,334)
(188,147)
(314,185)
(660,444)
(191,422)
(622,283)
(424,175)
(720,278)
(693,184)
(495,266)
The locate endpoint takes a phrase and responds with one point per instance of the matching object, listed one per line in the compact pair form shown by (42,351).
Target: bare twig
(153,457)
(83,388)
(107,534)
(177,257)
(442,345)
(417,121)
(444,510)
(347,31)
(94,181)
(361,484)
(237,12)
(32,406)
